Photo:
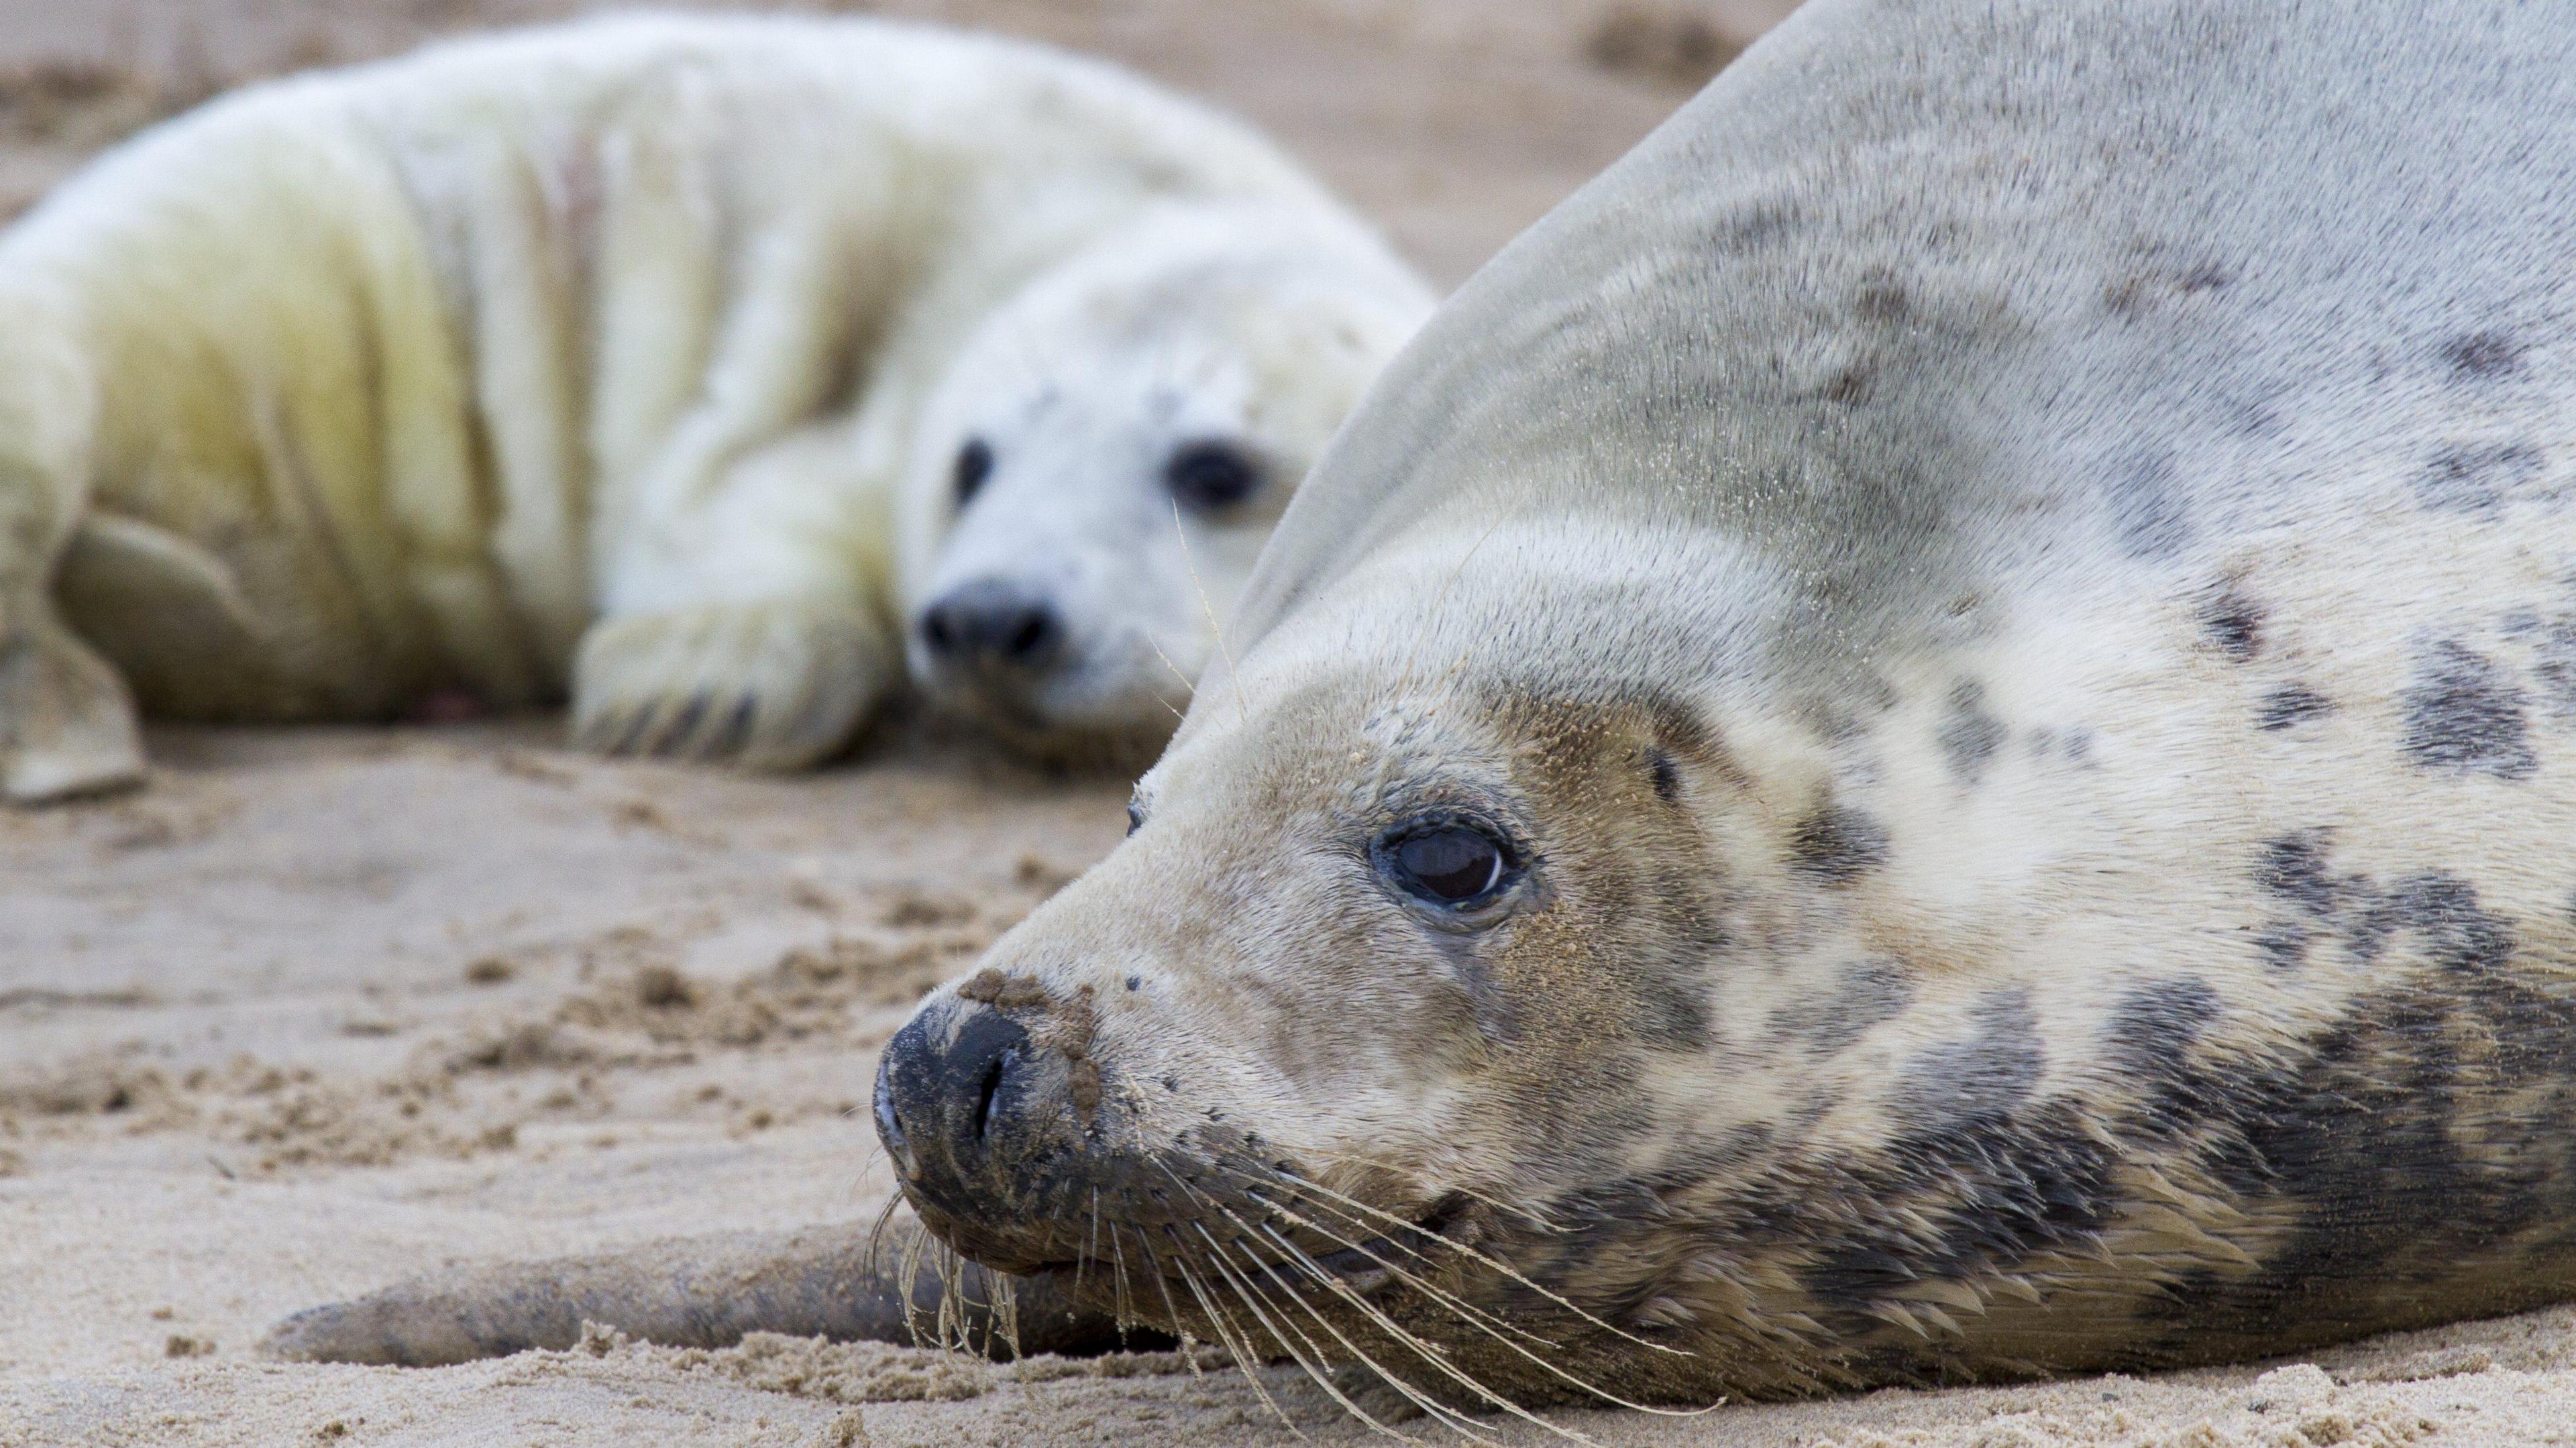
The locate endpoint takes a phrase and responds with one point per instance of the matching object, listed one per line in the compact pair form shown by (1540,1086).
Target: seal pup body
(1928,737)
(603,358)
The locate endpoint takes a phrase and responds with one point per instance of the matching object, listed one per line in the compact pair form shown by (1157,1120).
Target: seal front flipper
(695,1292)
(770,685)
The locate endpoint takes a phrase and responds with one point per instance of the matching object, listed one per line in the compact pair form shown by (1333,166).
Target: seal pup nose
(993,625)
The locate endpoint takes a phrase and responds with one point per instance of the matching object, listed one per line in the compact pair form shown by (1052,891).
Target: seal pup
(718,372)
(1928,737)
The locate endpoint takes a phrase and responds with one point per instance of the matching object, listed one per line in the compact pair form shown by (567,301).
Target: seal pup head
(1097,469)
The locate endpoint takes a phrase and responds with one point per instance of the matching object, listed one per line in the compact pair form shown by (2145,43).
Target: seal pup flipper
(67,724)
(696,1292)
(776,685)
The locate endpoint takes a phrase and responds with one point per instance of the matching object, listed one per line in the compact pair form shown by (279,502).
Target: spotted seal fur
(1929,737)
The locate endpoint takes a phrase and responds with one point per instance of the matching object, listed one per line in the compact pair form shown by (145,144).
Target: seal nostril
(990,1091)
(1031,635)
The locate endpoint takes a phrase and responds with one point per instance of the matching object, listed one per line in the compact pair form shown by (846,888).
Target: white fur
(608,356)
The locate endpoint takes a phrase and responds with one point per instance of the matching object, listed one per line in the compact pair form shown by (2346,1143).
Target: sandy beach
(321,1009)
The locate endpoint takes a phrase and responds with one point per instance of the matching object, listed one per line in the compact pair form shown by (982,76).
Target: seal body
(1929,736)
(601,357)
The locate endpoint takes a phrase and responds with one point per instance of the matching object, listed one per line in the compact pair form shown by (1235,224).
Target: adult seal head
(1931,735)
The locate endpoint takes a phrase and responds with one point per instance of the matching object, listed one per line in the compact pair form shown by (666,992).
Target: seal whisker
(1473,1319)
(907,1273)
(1253,1297)
(1082,1263)
(1479,1258)
(1403,1338)
(1215,628)
(1224,1327)
(1476,1315)
(1006,1311)
(1531,1215)
(1404,680)
(1163,1285)
(876,1231)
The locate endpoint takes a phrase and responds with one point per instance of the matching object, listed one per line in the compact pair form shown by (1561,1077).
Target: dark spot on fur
(2555,668)
(2474,479)
(2484,355)
(2464,716)
(1835,845)
(1970,736)
(1849,386)
(2283,945)
(2155,1024)
(2234,623)
(2293,867)
(1666,775)
(2130,296)
(2079,745)
(1865,993)
(1755,228)
(2442,910)
(1982,1079)
(2147,507)
(1882,298)
(2289,705)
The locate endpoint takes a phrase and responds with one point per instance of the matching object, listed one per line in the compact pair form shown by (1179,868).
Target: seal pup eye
(974,465)
(1210,476)
(1135,818)
(1450,865)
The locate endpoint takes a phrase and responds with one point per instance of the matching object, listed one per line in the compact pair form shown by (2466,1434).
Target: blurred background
(1454,122)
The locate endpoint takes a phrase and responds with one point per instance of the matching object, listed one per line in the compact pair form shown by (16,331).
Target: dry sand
(326,1008)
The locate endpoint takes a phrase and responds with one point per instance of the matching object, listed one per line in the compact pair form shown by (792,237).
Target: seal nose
(951,1088)
(995,625)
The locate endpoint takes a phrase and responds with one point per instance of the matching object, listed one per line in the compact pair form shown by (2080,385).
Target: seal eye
(1451,865)
(1135,819)
(974,465)
(1210,476)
